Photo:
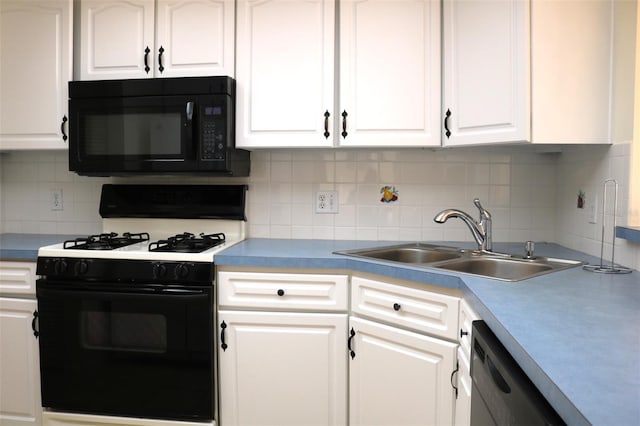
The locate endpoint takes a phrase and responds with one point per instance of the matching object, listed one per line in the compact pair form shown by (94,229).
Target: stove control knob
(60,266)
(81,268)
(182,270)
(159,270)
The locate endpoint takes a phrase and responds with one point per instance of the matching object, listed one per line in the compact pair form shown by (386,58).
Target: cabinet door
(196,37)
(389,73)
(116,39)
(486,72)
(35,67)
(285,73)
(465,323)
(19,364)
(282,368)
(572,71)
(397,377)
(463,398)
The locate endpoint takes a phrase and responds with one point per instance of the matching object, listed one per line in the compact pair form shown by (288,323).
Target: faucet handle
(484,213)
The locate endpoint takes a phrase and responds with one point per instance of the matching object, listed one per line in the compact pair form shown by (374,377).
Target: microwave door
(138,134)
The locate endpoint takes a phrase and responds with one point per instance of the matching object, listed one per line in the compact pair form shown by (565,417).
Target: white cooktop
(157,229)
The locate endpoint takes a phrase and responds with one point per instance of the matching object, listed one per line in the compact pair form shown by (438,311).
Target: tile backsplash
(531,195)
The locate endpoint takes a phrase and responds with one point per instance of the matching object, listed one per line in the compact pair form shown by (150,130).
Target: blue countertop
(631,233)
(24,247)
(575,333)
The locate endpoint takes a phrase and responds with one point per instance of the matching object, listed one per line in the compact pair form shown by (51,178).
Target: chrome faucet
(480,230)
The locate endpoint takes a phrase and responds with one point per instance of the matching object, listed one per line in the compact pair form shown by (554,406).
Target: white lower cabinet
(463,376)
(19,364)
(398,377)
(294,350)
(19,357)
(282,349)
(282,368)
(463,397)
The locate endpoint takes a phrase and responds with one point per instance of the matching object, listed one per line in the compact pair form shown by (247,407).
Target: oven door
(136,350)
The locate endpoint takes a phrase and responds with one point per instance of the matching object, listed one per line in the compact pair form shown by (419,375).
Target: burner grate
(187,243)
(106,241)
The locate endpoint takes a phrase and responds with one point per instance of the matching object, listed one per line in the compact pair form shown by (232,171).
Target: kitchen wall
(585,169)
(516,184)
(532,195)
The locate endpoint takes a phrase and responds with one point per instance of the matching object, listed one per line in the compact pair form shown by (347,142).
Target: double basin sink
(491,265)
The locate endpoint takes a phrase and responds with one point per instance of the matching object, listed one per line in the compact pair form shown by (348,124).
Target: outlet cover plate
(327,202)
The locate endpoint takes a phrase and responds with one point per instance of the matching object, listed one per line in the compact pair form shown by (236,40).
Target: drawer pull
(446,123)
(34,325)
(223,345)
(326,124)
(280,292)
(396,306)
(146,58)
(352,334)
(463,333)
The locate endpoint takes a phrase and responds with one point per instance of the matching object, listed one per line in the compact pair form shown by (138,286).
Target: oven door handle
(80,290)
(181,291)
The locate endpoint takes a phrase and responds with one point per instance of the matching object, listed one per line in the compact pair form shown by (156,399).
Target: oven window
(123,331)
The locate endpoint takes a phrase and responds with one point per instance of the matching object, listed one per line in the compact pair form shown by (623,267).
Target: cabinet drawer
(18,278)
(467,316)
(306,292)
(421,310)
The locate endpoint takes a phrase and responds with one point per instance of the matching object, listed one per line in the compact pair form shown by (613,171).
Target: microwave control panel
(214,144)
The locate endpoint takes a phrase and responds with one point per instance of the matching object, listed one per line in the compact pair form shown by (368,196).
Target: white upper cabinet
(388,62)
(572,71)
(285,73)
(156,38)
(197,37)
(35,67)
(116,39)
(521,71)
(486,71)
(389,73)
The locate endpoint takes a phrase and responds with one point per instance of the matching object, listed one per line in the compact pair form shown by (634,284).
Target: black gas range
(126,317)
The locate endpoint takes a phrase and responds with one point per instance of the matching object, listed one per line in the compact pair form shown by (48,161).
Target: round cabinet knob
(463,333)
(60,266)
(396,306)
(182,270)
(159,270)
(81,268)
(280,292)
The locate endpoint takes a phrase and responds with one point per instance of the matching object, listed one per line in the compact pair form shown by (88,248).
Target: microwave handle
(189,110)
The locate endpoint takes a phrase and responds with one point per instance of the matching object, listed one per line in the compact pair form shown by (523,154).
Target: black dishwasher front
(502,394)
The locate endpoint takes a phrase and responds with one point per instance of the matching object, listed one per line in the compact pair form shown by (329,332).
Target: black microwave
(154,126)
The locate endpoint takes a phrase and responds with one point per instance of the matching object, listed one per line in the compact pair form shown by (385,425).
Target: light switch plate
(56,199)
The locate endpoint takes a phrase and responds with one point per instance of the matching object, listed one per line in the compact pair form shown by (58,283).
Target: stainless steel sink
(499,268)
(491,265)
(408,253)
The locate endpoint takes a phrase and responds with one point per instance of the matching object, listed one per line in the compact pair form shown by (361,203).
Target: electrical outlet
(327,202)
(56,199)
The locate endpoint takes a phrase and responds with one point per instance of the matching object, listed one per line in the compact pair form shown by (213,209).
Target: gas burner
(106,241)
(187,243)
